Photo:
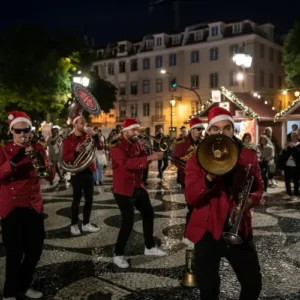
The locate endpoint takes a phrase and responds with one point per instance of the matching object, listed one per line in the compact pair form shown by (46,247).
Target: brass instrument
(83,100)
(217,154)
(189,279)
(164,144)
(37,161)
(237,213)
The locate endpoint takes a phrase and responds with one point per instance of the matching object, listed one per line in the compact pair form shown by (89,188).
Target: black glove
(19,156)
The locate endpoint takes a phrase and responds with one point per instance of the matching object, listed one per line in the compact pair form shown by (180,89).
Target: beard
(133,138)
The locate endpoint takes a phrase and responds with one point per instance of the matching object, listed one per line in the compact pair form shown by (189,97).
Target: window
(271,54)
(262,51)
(159,86)
(122,48)
(194,107)
(172,60)
(146,63)
(176,39)
(279,82)
(133,65)
(198,35)
(133,88)
(146,109)
(149,44)
(214,54)
(261,78)
(232,79)
(271,81)
(214,80)
(122,111)
(279,105)
(159,109)
(279,57)
(237,28)
(122,67)
(111,69)
(146,86)
(134,110)
(195,81)
(122,89)
(195,56)
(158,62)
(233,49)
(214,31)
(158,42)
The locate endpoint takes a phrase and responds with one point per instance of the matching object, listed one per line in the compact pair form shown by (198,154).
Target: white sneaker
(10,298)
(89,228)
(287,197)
(33,294)
(155,251)
(75,230)
(121,262)
(188,243)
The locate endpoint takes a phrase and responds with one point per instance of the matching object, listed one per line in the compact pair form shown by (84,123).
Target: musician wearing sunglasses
(21,207)
(183,145)
(129,160)
(213,198)
(83,181)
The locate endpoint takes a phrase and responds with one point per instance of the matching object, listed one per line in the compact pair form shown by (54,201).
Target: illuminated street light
(297,94)
(163,71)
(240,76)
(242,60)
(173,102)
(85,81)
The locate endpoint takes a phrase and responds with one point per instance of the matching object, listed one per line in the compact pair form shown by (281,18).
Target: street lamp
(172,103)
(85,81)
(243,61)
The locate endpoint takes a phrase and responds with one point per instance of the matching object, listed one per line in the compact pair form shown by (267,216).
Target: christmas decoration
(285,111)
(202,109)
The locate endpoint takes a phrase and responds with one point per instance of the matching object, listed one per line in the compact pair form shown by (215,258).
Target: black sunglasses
(18,130)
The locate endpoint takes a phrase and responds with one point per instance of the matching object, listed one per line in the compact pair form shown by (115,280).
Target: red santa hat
(130,124)
(76,118)
(196,123)
(217,114)
(18,116)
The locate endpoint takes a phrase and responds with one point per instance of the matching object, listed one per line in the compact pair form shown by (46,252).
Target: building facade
(200,58)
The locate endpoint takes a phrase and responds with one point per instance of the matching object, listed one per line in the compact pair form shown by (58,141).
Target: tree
(291,56)
(34,75)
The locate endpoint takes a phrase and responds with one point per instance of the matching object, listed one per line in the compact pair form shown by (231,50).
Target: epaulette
(191,150)
(250,147)
(179,141)
(114,143)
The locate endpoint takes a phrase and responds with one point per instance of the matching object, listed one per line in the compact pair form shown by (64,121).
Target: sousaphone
(82,100)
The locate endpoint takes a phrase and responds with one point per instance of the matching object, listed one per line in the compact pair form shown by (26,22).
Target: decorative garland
(202,109)
(248,111)
(283,112)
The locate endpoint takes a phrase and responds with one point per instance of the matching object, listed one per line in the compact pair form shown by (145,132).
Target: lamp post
(172,104)
(175,84)
(243,61)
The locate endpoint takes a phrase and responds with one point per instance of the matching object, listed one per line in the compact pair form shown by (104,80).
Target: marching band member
(81,181)
(212,199)
(183,145)
(21,207)
(128,162)
(162,164)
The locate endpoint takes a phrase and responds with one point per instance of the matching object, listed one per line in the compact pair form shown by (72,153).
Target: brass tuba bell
(217,154)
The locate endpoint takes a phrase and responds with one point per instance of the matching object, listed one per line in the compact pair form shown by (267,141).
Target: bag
(272,167)
(101,158)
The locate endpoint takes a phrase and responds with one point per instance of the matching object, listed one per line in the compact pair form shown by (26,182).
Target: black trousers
(23,236)
(291,174)
(188,215)
(242,258)
(140,200)
(82,182)
(162,165)
(145,175)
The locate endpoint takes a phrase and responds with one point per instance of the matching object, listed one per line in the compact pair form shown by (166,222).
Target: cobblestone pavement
(81,267)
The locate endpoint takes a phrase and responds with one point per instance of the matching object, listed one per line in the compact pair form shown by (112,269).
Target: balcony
(158,118)
(121,119)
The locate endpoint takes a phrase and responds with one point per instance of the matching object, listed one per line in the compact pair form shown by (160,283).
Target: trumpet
(37,160)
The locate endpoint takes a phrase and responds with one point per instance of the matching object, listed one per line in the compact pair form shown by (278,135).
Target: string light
(285,111)
(203,108)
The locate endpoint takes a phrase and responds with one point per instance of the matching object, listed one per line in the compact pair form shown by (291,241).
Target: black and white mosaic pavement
(81,267)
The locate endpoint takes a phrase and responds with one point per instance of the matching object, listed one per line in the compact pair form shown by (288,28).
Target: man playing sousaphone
(183,145)
(212,199)
(82,181)
(21,206)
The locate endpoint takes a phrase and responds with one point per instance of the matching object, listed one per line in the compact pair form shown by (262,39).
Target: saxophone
(37,160)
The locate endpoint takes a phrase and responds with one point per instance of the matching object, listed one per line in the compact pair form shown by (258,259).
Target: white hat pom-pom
(10,117)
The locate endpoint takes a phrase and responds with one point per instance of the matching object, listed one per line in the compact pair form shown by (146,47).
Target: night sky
(116,19)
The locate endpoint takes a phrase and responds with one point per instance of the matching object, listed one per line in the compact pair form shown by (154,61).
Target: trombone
(164,144)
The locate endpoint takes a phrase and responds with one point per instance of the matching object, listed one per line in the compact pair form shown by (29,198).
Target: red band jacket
(20,186)
(69,145)
(211,201)
(129,161)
